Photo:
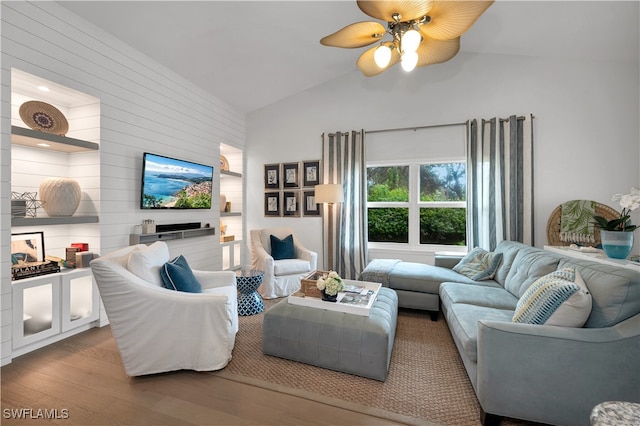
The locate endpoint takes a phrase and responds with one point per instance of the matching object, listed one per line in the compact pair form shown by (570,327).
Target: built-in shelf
(227,214)
(34,139)
(228,173)
(58,220)
(170,235)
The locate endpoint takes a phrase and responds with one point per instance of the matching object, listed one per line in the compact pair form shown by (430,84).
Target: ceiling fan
(423,32)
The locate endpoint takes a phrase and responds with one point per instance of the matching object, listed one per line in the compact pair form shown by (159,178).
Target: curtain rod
(414,128)
(432,126)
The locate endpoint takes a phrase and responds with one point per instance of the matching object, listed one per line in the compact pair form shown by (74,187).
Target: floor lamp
(329,193)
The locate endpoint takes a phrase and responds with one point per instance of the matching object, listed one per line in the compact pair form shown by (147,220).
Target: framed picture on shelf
(291,203)
(272,176)
(291,178)
(272,203)
(309,206)
(310,173)
(27,247)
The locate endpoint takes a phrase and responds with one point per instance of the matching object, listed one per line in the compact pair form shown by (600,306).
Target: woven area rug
(426,385)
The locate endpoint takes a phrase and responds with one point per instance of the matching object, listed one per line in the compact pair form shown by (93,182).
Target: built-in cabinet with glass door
(231,206)
(50,307)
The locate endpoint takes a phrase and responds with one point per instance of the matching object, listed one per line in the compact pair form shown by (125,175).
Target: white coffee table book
(357,302)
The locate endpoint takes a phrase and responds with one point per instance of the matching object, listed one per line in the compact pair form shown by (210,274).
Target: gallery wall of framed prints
(289,189)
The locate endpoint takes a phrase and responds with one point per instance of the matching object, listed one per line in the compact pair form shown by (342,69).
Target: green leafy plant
(628,202)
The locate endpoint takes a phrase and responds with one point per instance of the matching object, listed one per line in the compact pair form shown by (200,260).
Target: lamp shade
(329,193)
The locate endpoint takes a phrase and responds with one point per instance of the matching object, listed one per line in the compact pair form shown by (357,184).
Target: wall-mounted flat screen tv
(169,183)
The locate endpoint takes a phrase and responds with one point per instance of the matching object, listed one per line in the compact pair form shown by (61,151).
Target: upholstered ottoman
(349,343)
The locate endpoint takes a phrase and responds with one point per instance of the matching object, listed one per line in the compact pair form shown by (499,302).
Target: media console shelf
(170,235)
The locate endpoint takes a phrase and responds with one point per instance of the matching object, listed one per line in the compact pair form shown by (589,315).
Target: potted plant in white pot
(617,234)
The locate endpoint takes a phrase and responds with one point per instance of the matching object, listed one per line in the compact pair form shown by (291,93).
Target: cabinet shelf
(228,173)
(169,235)
(31,138)
(59,220)
(228,214)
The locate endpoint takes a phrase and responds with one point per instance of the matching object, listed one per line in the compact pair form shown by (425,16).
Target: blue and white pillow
(560,298)
(177,275)
(479,264)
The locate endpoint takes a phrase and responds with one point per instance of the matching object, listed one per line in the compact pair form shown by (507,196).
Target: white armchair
(157,329)
(281,277)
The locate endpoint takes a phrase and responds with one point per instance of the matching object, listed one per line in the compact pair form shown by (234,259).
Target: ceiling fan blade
(433,51)
(367,64)
(450,19)
(385,9)
(355,35)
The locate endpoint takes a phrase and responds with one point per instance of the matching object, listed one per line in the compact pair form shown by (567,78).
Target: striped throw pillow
(560,298)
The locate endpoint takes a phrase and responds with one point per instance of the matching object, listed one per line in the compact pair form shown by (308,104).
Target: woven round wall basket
(44,117)
(60,196)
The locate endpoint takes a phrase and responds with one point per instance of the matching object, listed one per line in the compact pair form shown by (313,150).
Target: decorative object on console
(422,32)
(617,234)
(330,285)
(148,226)
(60,196)
(43,117)
(555,226)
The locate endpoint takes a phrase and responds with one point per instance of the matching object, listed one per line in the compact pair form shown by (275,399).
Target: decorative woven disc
(224,163)
(44,117)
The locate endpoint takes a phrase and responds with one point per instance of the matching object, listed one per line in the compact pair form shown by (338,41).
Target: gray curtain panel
(345,224)
(499,181)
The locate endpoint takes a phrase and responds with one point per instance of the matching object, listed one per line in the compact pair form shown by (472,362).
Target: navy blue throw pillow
(177,275)
(282,249)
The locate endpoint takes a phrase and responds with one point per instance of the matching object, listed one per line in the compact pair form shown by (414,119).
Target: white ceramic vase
(60,196)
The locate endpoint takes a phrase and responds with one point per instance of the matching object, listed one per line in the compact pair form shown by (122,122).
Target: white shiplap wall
(143,107)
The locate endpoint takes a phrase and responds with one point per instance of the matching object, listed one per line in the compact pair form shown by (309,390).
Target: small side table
(249,300)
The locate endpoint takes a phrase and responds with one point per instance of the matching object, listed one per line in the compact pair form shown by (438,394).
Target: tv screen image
(169,183)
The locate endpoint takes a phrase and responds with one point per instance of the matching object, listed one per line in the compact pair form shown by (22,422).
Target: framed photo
(291,203)
(272,203)
(310,173)
(26,248)
(291,178)
(309,206)
(272,176)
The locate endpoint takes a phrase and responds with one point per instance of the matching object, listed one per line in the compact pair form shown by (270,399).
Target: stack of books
(33,269)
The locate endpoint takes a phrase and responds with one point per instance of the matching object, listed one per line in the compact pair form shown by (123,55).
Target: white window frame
(414,205)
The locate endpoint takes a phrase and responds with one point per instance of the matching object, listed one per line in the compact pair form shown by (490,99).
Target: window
(417,203)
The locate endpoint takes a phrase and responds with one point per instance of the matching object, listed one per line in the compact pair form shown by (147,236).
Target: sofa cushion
(560,298)
(291,266)
(615,292)
(529,264)
(282,248)
(177,275)
(490,297)
(463,319)
(146,262)
(418,277)
(479,264)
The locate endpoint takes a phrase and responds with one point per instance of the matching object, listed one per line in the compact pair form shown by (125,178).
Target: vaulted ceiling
(253,53)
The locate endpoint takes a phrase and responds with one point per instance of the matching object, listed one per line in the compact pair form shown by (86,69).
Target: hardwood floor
(81,381)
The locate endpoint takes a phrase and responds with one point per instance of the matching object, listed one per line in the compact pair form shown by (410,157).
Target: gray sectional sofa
(541,373)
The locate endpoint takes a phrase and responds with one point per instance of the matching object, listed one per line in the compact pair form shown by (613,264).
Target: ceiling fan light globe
(382,56)
(409,61)
(410,41)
